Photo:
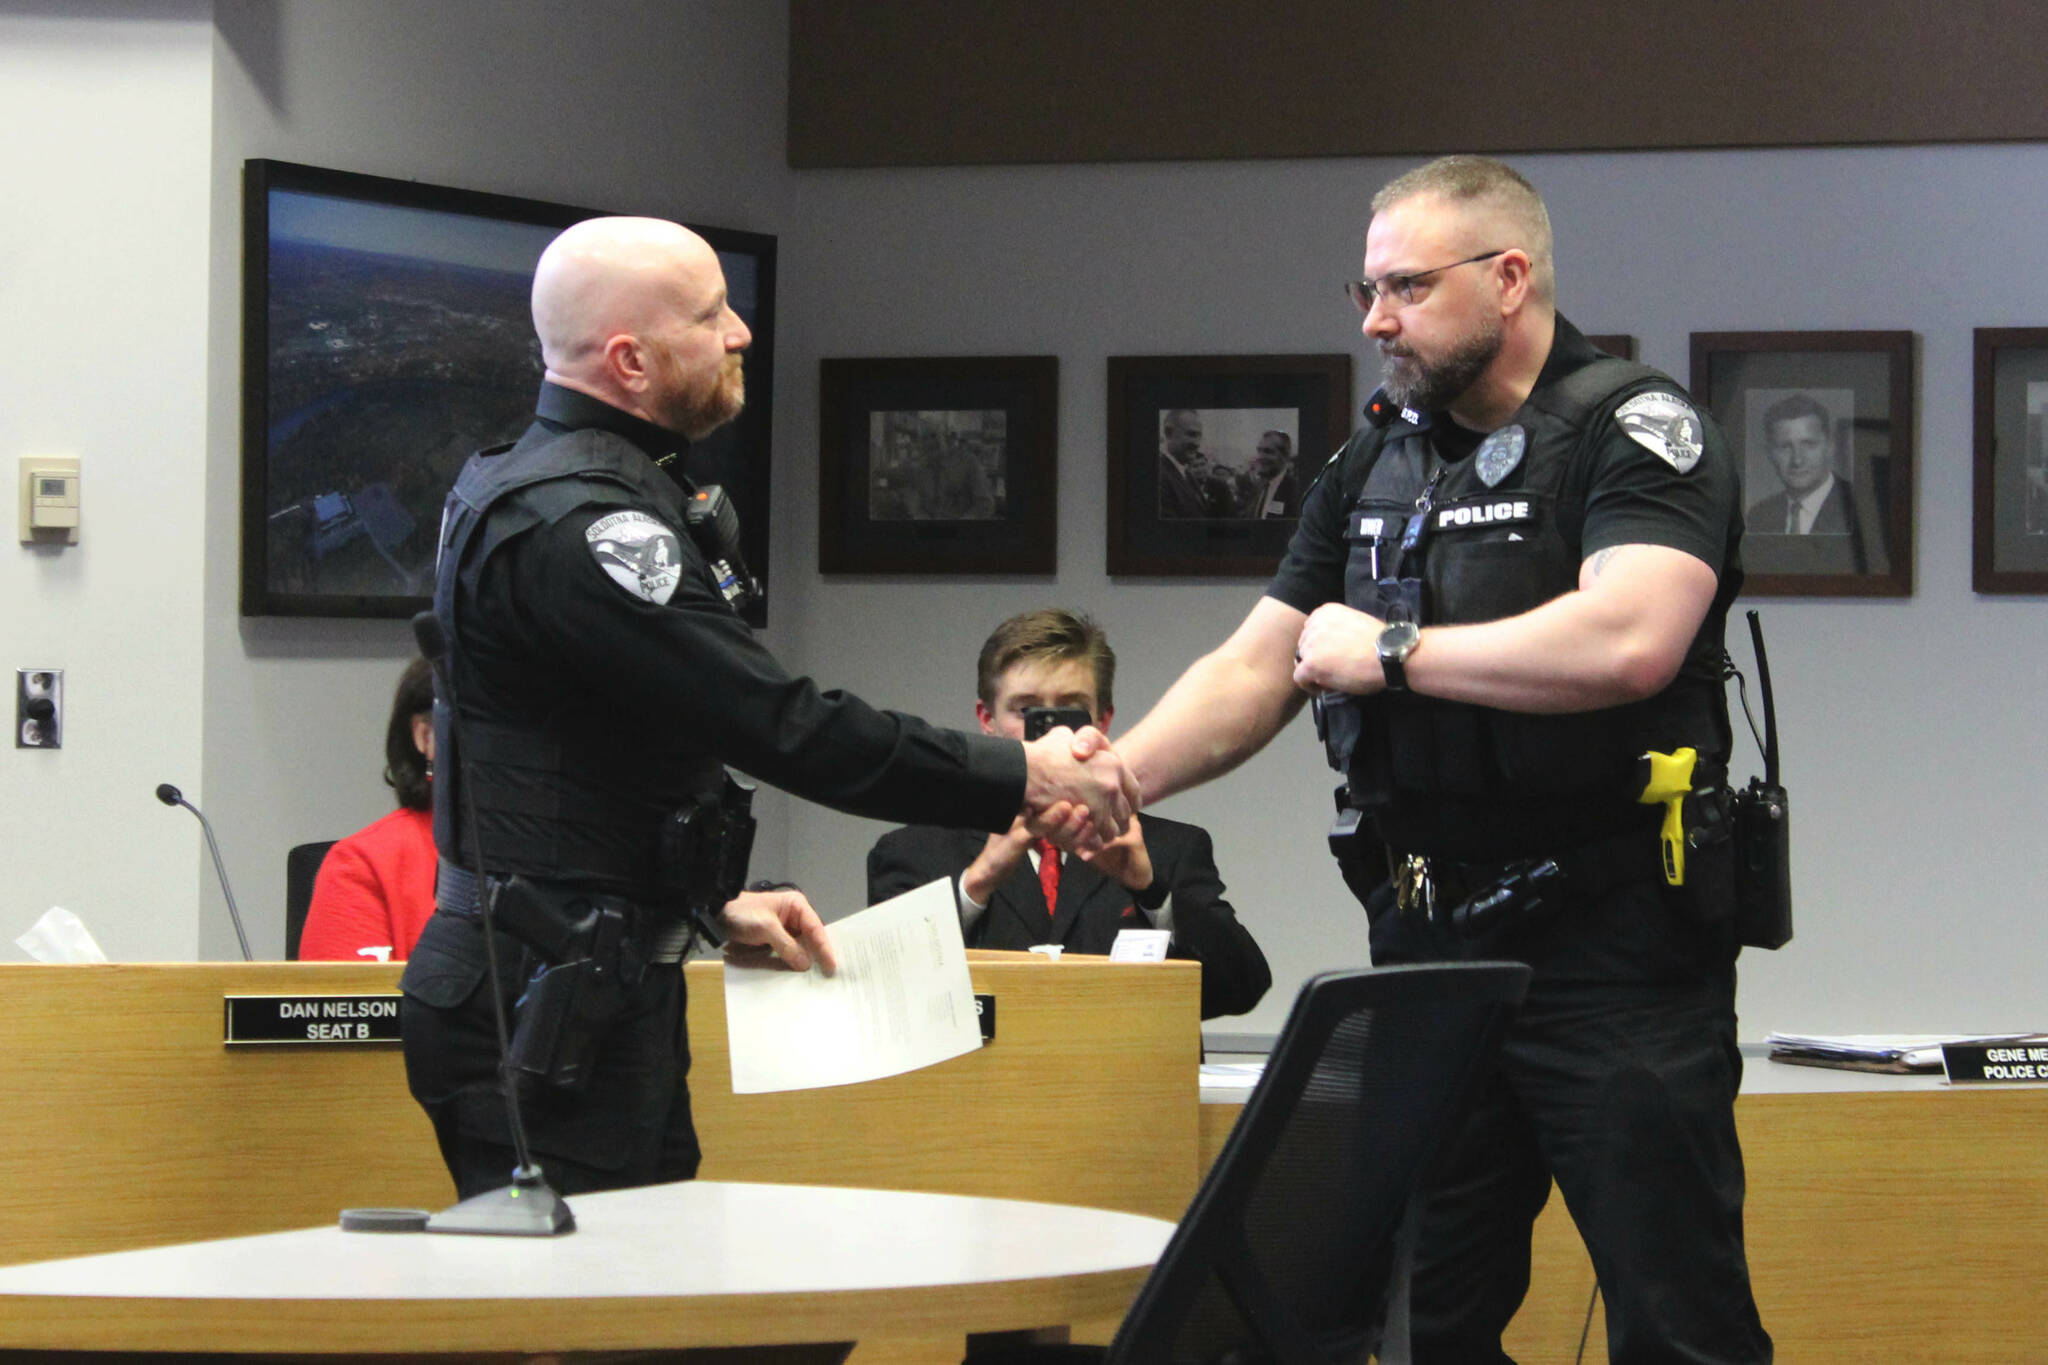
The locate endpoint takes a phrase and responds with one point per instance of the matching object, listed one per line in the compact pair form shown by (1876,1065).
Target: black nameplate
(1377,525)
(1995,1063)
(985,1012)
(317,1020)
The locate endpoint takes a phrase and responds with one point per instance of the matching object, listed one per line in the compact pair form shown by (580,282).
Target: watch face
(1398,639)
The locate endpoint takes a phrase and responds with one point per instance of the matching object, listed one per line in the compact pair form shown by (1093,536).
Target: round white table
(691,1265)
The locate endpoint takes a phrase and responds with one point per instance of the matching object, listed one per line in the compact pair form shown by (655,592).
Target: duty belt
(1422,883)
(663,935)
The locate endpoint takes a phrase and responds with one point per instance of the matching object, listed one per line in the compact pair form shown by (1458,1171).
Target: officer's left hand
(1339,651)
(776,929)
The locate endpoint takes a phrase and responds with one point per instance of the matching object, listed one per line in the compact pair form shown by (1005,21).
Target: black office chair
(1297,1248)
(301,868)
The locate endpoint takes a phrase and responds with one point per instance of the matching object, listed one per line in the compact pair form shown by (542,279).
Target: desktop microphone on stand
(171,796)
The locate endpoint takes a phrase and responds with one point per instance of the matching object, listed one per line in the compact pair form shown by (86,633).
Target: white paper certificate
(900,1000)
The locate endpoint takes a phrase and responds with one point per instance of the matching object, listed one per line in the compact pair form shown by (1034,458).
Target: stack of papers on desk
(1872,1051)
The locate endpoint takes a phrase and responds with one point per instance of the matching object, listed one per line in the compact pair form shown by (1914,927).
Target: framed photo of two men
(1821,428)
(1209,457)
(2010,541)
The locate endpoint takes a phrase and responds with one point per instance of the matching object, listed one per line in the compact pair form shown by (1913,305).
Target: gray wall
(1910,726)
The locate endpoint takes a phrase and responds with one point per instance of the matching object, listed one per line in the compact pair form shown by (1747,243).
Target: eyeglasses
(1404,286)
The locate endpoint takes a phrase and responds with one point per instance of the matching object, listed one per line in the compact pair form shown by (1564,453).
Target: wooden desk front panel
(1088,1095)
(1881,1225)
(126,1123)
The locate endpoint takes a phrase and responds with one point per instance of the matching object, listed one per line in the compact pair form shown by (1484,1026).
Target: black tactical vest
(1473,782)
(549,803)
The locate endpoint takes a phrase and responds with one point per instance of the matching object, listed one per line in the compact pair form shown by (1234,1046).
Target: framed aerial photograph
(1209,457)
(941,465)
(386,335)
(2009,540)
(1821,426)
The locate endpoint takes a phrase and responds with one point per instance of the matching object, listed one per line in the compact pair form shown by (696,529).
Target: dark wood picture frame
(1216,520)
(2009,484)
(938,465)
(1852,392)
(387,334)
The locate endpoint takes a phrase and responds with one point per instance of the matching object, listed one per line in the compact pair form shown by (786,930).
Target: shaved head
(633,311)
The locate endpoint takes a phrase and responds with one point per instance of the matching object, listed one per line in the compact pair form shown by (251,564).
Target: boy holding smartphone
(1038,671)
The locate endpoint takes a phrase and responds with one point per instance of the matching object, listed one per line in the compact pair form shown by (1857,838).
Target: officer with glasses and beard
(1504,591)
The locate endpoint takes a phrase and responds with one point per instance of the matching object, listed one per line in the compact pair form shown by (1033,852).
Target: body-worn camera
(714,524)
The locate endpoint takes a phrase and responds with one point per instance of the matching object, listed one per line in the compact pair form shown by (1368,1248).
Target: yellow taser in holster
(1667,781)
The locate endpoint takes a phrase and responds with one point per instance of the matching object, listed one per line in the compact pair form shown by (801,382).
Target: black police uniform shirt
(662,679)
(1632,494)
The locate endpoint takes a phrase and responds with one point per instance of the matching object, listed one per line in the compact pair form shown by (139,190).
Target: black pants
(630,1124)
(1618,1079)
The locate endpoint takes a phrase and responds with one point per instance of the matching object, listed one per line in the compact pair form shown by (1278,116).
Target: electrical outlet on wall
(39,708)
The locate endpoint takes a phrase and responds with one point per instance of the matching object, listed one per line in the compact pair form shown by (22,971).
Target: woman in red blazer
(376,887)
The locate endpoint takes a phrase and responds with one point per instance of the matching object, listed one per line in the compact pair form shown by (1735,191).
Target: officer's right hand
(776,929)
(1077,792)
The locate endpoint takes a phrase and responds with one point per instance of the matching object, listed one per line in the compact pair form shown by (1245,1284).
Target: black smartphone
(1040,719)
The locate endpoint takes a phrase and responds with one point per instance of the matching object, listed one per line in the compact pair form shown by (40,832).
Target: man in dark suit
(1814,502)
(1183,465)
(1272,490)
(1161,875)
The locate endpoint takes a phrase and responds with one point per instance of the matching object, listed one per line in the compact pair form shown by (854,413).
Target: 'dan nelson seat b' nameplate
(319,1020)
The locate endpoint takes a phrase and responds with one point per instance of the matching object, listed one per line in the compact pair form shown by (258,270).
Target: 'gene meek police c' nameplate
(1996,1061)
(317,1020)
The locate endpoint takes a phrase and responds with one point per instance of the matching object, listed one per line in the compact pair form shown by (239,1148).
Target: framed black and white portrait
(944,465)
(1209,457)
(2009,537)
(1820,425)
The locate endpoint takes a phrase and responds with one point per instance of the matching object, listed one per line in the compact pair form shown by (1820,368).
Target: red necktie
(1049,875)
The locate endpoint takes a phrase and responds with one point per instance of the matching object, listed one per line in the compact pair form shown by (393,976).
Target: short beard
(1413,382)
(697,415)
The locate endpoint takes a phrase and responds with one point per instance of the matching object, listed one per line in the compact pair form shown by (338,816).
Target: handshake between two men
(1078,795)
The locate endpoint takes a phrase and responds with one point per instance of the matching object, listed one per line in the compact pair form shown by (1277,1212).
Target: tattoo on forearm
(1600,560)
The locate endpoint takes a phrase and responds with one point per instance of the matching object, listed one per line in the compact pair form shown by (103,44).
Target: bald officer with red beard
(605,681)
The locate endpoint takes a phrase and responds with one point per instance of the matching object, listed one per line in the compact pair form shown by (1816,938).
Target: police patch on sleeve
(1665,425)
(642,556)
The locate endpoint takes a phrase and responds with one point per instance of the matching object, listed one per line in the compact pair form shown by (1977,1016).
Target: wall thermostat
(49,500)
